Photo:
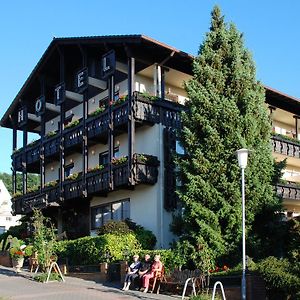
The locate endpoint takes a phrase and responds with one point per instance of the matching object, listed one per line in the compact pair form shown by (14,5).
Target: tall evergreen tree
(226,112)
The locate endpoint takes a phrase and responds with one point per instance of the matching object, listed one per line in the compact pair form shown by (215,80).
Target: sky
(271,32)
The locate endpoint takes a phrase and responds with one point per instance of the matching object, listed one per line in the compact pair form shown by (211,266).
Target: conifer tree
(226,112)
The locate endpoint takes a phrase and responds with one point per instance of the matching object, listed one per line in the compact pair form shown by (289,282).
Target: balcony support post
(14,147)
(162,86)
(24,165)
(42,134)
(131,119)
(61,128)
(111,93)
(296,125)
(84,129)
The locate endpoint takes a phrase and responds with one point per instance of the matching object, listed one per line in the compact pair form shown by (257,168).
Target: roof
(141,44)
(142,47)
(282,100)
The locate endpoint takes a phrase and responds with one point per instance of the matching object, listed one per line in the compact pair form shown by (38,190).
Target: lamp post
(242,155)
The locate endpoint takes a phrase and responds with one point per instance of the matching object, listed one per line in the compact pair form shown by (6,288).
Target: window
(8,218)
(116,211)
(2,229)
(179,148)
(68,169)
(103,156)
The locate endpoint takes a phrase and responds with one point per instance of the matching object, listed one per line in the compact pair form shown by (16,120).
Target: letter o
(38,105)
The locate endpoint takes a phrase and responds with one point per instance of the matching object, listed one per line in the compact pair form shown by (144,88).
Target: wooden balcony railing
(73,136)
(52,193)
(73,189)
(121,175)
(146,168)
(25,204)
(285,146)
(97,182)
(18,158)
(97,126)
(288,191)
(120,114)
(33,153)
(51,146)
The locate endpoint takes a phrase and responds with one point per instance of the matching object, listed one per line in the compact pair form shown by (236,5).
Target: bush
(145,237)
(166,257)
(114,227)
(93,250)
(43,277)
(280,277)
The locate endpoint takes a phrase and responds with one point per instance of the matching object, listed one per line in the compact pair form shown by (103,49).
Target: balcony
(121,175)
(97,182)
(284,146)
(25,204)
(73,188)
(52,146)
(97,128)
(146,168)
(120,115)
(156,110)
(288,191)
(73,138)
(18,157)
(52,193)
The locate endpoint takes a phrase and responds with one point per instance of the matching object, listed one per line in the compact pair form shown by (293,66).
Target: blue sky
(271,32)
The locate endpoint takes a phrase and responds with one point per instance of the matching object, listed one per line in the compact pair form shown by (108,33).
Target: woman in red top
(156,267)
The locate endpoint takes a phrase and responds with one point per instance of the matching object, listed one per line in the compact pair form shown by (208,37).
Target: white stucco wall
(6,218)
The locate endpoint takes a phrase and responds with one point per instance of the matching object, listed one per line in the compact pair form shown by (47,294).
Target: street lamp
(242,155)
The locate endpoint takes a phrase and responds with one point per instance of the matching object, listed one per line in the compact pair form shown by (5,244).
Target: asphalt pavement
(15,286)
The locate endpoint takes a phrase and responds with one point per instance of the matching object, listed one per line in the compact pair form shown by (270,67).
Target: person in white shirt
(132,272)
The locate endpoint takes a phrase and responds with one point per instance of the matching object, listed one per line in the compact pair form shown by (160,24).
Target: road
(21,286)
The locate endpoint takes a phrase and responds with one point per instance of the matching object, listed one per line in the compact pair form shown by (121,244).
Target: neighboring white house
(6,218)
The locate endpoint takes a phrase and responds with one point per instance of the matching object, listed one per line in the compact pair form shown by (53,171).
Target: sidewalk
(22,286)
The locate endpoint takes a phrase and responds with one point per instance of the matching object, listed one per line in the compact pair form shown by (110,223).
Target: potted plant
(17,253)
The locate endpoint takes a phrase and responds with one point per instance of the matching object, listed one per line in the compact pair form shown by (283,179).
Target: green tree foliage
(226,112)
(44,238)
(32,180)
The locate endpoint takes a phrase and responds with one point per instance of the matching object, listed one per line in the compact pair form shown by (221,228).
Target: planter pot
(17,264)
(5,259)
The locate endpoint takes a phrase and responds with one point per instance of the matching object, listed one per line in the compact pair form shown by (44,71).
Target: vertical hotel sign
(22,116)
(108,64)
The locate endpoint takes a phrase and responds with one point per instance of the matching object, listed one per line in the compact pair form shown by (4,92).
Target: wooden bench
(194,278)
(159,277)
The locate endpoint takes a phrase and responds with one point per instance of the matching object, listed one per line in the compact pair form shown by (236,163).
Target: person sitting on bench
(156,267)
(132,272)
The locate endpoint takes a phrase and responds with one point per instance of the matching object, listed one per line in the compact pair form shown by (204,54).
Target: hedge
(108,248)
(93,250)
(280,277)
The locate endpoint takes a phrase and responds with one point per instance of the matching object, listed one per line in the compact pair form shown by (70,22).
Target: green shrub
(144,236)
(205,296)
(93,250)
(114,227)
(43,277)
(166,257)
(280,277)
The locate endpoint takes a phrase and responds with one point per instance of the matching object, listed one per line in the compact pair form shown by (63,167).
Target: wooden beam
(74,96)
(34,118)
(97,83)
(122,67)
(52,107)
